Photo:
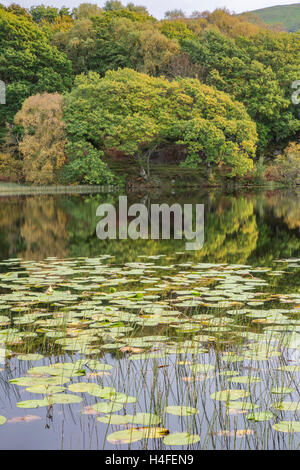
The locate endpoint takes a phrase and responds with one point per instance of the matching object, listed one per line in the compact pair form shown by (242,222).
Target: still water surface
(145,338)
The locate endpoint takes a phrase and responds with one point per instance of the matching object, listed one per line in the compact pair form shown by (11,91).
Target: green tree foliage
(28,63)
(137,114)
(78,43)
(85,165)
(257,71)
(86,10)
(174,14)
(119,38)
(112,5)
(241,69)
(177,30)
(46,155)
(17,10)
(41,12)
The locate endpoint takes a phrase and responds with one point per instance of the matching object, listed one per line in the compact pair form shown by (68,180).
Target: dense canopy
(135,113)
(217,85)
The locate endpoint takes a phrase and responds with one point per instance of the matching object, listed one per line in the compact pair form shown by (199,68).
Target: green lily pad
(282,390)
(287,426)
(181,410)
(45,389)
(96,365)
(181,439)
(245,380)
(229,395)
(125,437)
(286,405)
(201,367)
(32,403)
(30,357)
(104,407)
(145,419)
(113,419)
(64,399)
(2,420)
(260,416)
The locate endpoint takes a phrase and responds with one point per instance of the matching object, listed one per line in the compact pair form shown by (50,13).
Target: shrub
(85,165)
(288,164)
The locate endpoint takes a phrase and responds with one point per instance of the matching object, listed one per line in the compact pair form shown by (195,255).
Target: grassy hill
(286,15)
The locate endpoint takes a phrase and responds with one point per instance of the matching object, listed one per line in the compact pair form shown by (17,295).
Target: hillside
(286,15)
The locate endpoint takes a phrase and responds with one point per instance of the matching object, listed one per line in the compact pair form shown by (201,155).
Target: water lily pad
(201,367)
(2,420)
(30,357)
(81,387)
(286,405)
(145,419)
(181,410)
(45,389)
(153,433)
(260,416)
(64,399)
(122,398)
(32,403)
(287,426)
(125,437)
(228,395)
(114,419)
(181,439)
(96,365)
(282,390)
(245,379)
(104,407)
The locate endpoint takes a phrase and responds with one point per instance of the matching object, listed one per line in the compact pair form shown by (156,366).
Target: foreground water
(142,345)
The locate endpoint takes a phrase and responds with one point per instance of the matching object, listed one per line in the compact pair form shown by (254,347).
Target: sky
(157,8)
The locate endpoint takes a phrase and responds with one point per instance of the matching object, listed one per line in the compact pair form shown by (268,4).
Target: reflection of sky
(158,8)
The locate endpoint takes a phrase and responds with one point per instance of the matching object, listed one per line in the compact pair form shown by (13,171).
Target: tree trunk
(208,170)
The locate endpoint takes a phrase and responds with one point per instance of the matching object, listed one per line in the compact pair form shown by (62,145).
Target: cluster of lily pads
(164,351)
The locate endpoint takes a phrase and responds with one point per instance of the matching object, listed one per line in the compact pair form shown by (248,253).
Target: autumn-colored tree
(286,167)
(43,228)
(60,24)
(43,141)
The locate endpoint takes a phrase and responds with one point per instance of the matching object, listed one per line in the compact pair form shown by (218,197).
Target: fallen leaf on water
(232,411)
(131,350)
(196,378)
(244,432)
(27,419)
(97,374)
(89,410)
(237,433)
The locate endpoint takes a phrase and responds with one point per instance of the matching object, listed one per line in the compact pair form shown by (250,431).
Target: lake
(141,344)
